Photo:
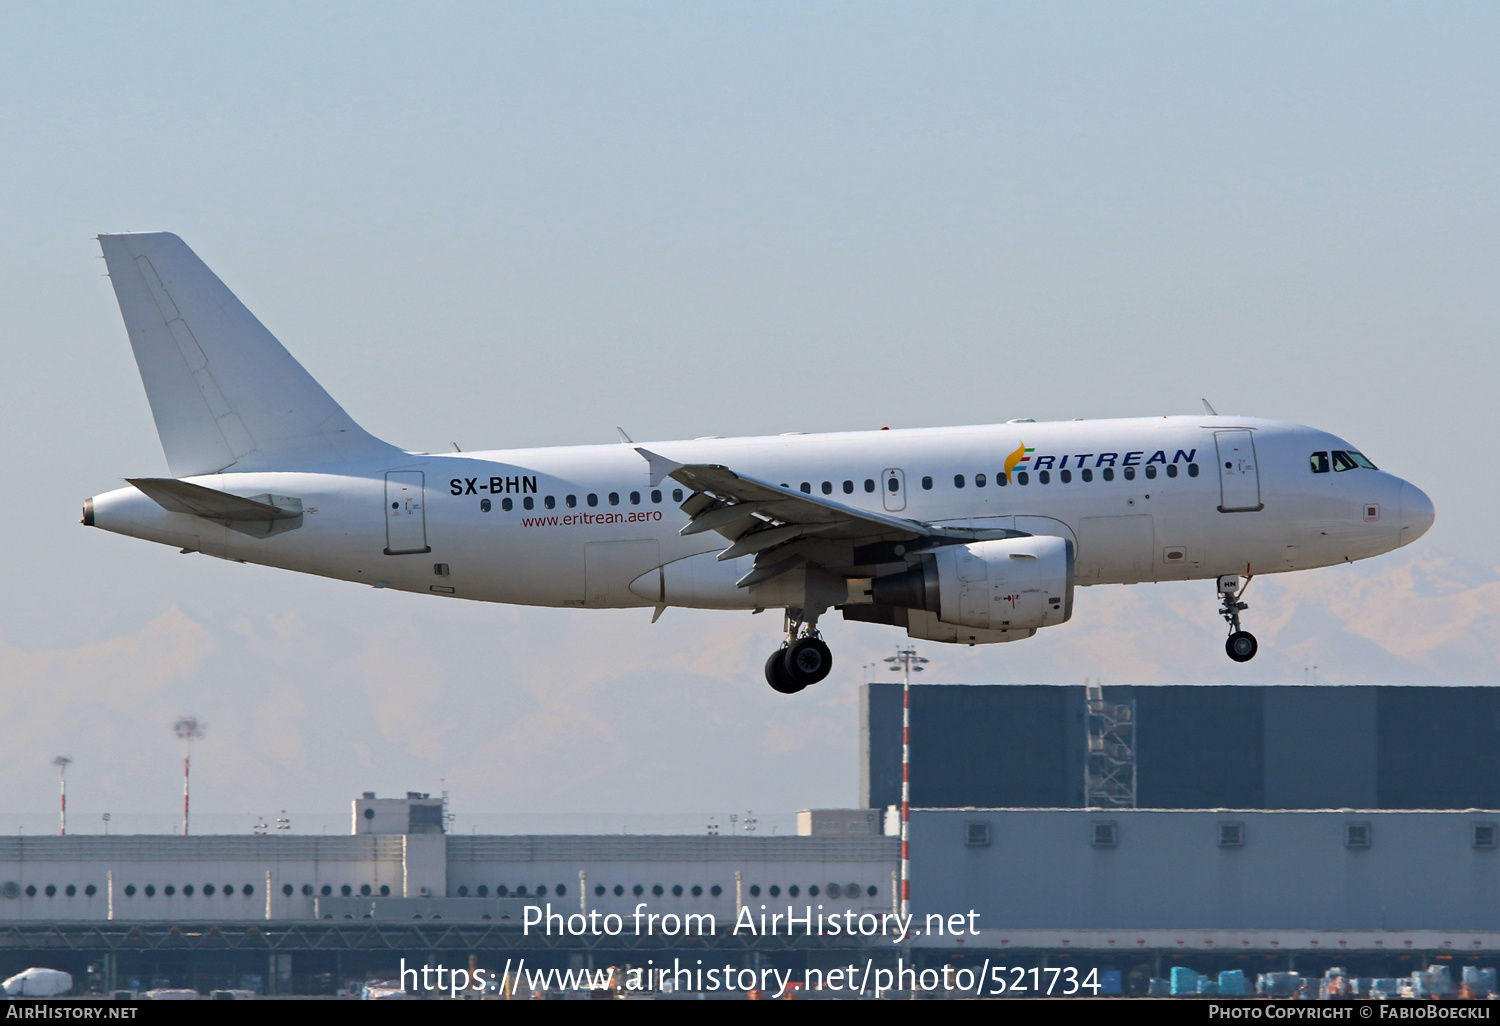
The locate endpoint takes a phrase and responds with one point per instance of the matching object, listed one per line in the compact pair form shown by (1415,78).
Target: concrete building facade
(1195,747)
(1338,871)
(455,877)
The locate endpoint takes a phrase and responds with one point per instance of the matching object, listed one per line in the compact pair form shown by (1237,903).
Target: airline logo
(1015,459)
(1023,459)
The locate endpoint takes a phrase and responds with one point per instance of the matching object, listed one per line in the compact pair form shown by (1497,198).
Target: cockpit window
(1319,462)
(1349,461)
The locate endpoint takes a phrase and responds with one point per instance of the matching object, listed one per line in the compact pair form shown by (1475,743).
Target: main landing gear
(1241,645)
(804,660)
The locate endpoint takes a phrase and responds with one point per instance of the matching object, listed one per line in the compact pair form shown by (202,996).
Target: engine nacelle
(1012,584)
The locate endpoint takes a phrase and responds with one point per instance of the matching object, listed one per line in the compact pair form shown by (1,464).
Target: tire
(1241,646)
(777,677)
(807,661)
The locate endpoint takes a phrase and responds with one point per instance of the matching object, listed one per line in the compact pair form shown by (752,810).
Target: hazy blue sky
(524,224)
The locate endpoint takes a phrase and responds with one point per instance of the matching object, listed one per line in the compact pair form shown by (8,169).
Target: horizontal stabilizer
(195,500)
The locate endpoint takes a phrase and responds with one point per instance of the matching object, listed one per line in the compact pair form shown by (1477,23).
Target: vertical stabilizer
(224,392)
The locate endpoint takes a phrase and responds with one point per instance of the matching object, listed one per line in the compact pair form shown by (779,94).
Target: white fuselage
(1141,499)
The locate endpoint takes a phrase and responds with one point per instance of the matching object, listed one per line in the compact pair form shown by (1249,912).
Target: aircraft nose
(1416,513)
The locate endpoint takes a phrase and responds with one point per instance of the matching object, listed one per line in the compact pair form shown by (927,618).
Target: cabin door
(405,519)
(1239,481)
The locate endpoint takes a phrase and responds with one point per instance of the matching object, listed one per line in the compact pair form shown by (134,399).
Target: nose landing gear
(804,660)
(1241,645)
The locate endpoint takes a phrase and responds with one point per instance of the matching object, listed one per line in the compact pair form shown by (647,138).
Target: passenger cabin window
(593,499)
(1087,475)
(1319,462)
(656,495)
(1067,476)
(1044,476)
(1151,473)
(1022,477)
(869,484)
(926,483)
(635,498)
(807,487)
(676,494)
(958,480)
(528,502)
(1130,473)
(848,487)
(1171,470)
(571,500)
(614,498)
(978,480)
(1109,473)
(550,502)
(506,504)
(827,487)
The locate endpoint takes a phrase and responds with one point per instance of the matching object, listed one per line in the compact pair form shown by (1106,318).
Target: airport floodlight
(906,661)
(62,762)
(188,729)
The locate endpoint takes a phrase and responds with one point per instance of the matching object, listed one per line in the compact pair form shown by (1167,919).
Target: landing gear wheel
(776,674)
(808,660)
(1241,646)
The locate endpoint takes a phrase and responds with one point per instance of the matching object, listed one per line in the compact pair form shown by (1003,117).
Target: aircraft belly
(496,563)
(1336,541)
(702,582)
(611,566)
(1114,549)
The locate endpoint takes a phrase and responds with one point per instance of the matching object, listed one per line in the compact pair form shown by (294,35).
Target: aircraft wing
(775,523)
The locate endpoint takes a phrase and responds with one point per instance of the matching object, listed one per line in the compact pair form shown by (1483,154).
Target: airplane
(964,535)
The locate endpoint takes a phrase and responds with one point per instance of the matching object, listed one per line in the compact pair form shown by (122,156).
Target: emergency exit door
(405,519)
(893,490)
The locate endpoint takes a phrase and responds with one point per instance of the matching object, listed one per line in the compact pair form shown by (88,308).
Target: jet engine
(1003,585)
